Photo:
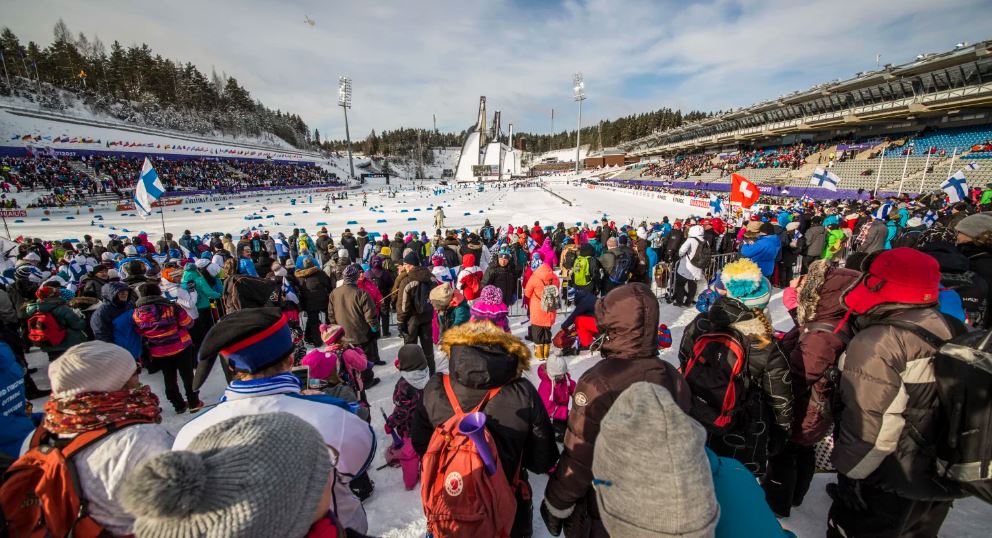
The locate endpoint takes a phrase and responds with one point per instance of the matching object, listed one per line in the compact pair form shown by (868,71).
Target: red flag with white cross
(743,191)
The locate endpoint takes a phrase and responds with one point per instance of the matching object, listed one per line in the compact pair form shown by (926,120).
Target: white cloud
(410,60)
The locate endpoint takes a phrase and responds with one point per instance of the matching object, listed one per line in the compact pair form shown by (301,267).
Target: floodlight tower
(579,89)
(344,101)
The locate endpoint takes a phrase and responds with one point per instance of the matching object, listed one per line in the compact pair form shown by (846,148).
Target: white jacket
(102,467)
(183,297)
(349,439)
(686,252)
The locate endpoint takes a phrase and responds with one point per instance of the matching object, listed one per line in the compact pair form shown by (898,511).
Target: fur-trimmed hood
(819,296)
(482,355)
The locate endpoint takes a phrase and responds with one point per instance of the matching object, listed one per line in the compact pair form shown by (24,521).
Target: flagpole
(951,166)
(878,176)
(161,210)
(905,164)
(925,167)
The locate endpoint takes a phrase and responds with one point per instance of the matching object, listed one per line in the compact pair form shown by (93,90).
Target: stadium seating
(64,181)
(947,140)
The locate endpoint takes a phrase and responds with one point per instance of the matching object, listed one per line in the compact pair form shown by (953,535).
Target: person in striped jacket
(164,327)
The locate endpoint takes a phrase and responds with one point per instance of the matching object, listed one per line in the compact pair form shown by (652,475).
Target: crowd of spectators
(683,166)
(62,184)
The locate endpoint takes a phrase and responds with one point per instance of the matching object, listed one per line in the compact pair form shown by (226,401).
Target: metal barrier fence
(717,263)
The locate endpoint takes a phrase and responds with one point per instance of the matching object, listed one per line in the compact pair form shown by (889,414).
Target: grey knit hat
(252,476)
(676,498)
(974,225)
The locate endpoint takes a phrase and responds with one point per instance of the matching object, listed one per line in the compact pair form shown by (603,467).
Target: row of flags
(746,193)
(151,145)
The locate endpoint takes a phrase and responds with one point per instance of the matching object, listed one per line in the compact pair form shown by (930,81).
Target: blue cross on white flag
(956,187)
(148,189)
(825,179)
(972,166)
(716,204)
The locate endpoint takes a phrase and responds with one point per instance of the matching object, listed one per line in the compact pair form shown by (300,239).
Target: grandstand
(913,123)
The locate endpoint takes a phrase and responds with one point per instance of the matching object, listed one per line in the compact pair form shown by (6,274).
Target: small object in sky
(308,20)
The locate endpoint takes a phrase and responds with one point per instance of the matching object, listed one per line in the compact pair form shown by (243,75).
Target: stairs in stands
(83,168)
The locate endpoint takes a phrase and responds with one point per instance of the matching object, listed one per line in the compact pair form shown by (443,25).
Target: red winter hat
(887,280)
(591,234)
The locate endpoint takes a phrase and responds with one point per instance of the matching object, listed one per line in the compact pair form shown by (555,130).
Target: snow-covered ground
(392,511)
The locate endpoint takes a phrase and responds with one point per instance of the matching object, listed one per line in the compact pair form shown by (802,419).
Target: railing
(717,263)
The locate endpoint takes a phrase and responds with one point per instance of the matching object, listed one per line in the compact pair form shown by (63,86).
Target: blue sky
(410,60)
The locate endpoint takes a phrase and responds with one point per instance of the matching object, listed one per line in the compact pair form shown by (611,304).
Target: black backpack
(568,260)
(622,267)
(725,400)
(962,368)
(422,298)
(701,257)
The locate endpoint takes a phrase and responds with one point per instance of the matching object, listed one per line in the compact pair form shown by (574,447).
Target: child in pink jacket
(556,390)
(348,362)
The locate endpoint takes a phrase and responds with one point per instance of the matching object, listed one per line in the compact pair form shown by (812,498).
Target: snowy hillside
(392,511)
(25,128)
(559,155)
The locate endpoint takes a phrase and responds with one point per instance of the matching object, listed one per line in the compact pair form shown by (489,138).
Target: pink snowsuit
(555,395)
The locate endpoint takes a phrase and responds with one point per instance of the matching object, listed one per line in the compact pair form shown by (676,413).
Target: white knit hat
(130,250)
(556,365)
(90,367)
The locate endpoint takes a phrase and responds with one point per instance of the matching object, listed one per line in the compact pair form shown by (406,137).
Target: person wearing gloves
(688,273)
(257,344)
(262,475)
(629,317)
(95,385)
(686,490)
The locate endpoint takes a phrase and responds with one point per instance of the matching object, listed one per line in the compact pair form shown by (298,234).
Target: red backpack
(45,330)
(460,498)
(41,497)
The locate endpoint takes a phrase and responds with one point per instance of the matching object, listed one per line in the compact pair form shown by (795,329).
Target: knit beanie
(974,225)
(172,274)
(343,253)
(350,274)
(95,366)
(331,333)
(411,357)
(664,336)
(256,475)
(440,297)
(491,295)
(677,497)
(411,258)
(556,366)
(744,282)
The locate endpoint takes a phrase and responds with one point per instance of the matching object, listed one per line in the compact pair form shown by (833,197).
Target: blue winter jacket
(892,231)
(15,424)
(743,510)
(246,267)
(112,321)
(763,253)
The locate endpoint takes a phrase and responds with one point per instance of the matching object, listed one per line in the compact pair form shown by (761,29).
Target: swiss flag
(743,191)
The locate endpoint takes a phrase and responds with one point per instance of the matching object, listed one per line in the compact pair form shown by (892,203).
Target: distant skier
(365,199)
(439,218)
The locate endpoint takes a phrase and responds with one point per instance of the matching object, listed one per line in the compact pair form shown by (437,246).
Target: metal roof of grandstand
(960,55)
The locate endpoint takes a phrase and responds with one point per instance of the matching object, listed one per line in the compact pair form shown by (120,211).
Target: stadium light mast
(579,89)
(344,101)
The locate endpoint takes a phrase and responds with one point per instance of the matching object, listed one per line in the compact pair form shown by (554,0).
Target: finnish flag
(148,189)
(956,187)
(825,179)
(972,166)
